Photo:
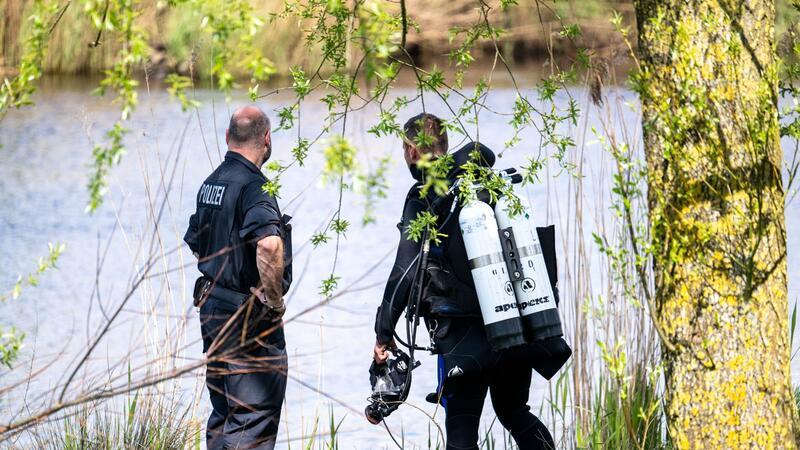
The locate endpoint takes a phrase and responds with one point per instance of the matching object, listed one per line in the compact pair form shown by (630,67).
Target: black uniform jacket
(233,214)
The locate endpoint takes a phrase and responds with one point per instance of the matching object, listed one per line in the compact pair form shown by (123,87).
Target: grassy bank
(178,41)
(176,38)
(153,420)
(146,419)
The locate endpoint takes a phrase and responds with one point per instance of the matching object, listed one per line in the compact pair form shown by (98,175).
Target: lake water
(44,162)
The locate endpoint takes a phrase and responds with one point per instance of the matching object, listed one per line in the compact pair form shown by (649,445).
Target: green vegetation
(179,40)
(11,339)
(146,420)
(630,418)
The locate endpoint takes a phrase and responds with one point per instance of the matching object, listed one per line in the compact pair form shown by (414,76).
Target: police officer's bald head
(249,130)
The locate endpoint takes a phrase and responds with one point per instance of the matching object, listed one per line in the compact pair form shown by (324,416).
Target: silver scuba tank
(528,273)
(490,274)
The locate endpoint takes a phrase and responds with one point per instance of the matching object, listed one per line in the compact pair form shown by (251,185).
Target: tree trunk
(708,87)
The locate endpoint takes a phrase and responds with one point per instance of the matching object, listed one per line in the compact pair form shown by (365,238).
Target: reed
(176,37)
(145,419)
(178,41)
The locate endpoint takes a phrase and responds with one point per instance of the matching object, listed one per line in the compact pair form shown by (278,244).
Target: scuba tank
(490,274)
(528,272)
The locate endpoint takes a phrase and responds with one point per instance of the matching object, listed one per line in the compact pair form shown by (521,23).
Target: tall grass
(610,396)
(179,30)
(146,420)
(625,420)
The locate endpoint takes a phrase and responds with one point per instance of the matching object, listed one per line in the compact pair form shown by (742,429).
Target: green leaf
(329,285)
(570,31)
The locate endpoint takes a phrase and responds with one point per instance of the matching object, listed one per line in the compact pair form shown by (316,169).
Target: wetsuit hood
(461,157)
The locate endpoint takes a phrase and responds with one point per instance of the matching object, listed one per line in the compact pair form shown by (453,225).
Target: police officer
(468,367)
(243,247)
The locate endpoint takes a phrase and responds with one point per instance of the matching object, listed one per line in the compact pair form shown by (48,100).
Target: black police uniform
(246,377)
(468,367)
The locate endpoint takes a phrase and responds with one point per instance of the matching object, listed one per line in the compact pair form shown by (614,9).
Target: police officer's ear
(227,137)
(267,145)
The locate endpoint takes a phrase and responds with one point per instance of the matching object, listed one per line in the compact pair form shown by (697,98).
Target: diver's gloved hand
(277,308)
(381,352)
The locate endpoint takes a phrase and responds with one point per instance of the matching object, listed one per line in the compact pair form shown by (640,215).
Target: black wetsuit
(451,309)
(247,381)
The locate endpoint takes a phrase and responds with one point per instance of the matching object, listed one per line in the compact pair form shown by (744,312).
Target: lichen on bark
(708,86)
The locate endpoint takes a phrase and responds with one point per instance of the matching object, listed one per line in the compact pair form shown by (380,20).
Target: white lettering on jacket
(211,194)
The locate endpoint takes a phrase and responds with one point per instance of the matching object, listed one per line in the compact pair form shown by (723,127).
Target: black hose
(411,330)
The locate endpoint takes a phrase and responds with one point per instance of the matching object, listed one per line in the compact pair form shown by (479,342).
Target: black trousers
(246,379)
(509,386)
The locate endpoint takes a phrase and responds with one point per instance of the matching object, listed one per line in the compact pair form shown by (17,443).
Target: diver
(468,366)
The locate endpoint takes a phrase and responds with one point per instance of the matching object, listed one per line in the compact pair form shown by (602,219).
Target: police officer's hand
(381,351)
(276,310)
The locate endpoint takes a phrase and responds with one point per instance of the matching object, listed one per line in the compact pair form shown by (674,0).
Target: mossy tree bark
(708,87)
